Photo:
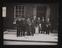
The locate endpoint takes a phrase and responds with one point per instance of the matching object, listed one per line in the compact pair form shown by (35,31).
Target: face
(38,18)
(48,19)
(23,18)
(43,19)
(28,19)
(34,17)
(19,19)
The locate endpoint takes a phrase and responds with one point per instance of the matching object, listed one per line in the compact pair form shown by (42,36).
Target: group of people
(30,26)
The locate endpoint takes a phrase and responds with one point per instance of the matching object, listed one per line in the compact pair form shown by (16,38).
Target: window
(18,11)
(3,11)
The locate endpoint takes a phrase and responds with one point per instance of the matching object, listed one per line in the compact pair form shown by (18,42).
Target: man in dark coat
(39,23)
(34,24)
(20,27)
(44,27)
(23,26)
(18,23)
(28,26)
(48,28)
(32,28)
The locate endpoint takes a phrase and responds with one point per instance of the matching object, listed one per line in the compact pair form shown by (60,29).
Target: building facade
(14,10)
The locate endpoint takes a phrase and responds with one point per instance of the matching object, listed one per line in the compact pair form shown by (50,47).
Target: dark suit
(44,28)
(48,29)
(39,22)
(28,27)
(32,28)
(20,27)
(23,27)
